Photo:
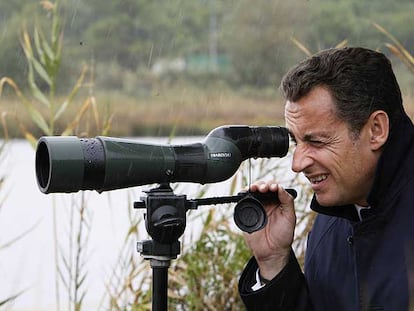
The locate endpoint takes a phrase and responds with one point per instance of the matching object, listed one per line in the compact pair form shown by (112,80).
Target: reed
(5,301)
(43,53)
(128,280)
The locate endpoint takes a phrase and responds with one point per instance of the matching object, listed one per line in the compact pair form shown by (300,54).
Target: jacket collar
(393,169)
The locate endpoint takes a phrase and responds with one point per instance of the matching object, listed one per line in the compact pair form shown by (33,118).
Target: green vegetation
(43,54)
(205,276)
(151,60)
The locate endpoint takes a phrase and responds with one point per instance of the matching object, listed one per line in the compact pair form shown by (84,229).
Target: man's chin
(326,201)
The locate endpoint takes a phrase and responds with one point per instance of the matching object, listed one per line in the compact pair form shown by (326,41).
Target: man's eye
(316,142)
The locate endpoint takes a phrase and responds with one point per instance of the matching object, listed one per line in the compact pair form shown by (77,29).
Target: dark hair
(360,80)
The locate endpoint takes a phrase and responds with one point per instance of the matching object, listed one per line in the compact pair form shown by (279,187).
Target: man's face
(339,167)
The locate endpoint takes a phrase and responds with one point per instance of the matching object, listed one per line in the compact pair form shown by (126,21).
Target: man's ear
(379,129)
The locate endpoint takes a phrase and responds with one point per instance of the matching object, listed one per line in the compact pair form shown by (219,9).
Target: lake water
(29,263)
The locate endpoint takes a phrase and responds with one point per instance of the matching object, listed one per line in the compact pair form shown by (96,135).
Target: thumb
(285,198)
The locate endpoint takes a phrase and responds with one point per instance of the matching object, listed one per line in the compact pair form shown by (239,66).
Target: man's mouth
(317,179)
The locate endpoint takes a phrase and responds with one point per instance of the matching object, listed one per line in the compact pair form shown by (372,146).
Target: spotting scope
(70,164)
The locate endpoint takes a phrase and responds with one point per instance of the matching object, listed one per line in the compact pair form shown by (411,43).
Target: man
(355,145)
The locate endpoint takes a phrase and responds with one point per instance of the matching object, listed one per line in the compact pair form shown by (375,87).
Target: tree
(256,38)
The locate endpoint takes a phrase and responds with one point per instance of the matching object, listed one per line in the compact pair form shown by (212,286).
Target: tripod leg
(159,284)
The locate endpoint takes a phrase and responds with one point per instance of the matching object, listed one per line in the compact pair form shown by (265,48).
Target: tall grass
(128,281)
(190,111)
(4,301)
(43,52)
(205,277)
(397,48)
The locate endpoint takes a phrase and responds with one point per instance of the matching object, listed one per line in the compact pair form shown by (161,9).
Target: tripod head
(165,219)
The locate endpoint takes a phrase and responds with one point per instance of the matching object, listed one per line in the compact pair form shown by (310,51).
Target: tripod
(165,221)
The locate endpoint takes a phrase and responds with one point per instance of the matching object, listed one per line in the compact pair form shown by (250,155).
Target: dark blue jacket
(354,264)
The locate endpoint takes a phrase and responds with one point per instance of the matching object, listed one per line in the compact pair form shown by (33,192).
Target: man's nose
(301,159)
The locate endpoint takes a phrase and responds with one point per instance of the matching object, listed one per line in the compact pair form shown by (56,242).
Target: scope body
(70,164)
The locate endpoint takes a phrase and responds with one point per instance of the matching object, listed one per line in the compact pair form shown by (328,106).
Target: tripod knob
(166,221)
(169,222)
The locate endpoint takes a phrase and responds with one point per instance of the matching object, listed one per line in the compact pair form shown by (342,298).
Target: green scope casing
(70,164)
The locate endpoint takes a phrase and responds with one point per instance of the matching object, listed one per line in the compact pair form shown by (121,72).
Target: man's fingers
(263,186)
(285,199)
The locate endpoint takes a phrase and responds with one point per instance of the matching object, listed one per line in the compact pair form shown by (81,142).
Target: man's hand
(271,246)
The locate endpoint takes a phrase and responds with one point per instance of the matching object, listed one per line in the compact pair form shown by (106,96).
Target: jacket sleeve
(287,291)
